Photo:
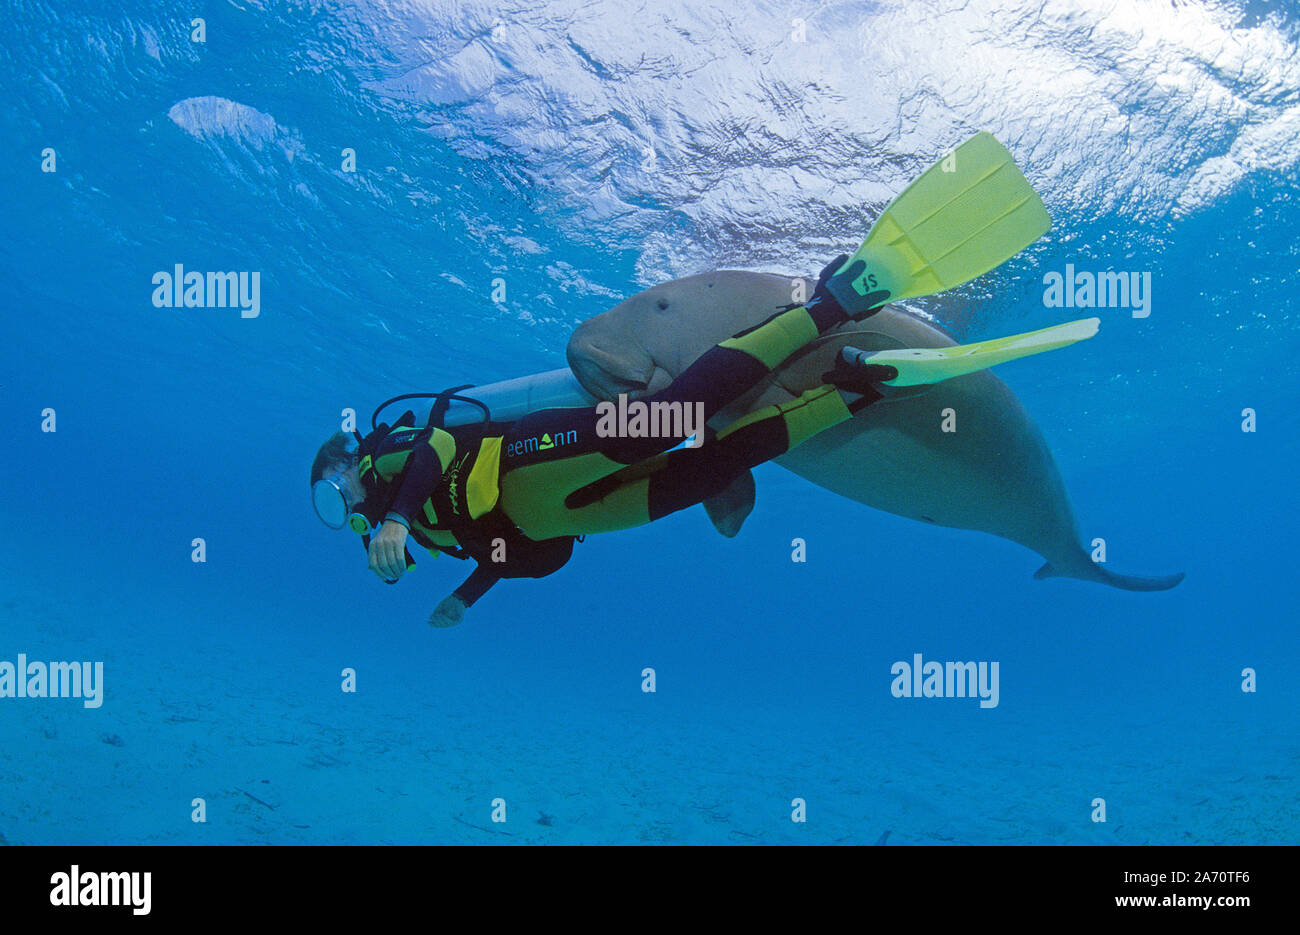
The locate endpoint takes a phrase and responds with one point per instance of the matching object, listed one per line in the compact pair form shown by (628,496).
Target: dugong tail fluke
(1091,571)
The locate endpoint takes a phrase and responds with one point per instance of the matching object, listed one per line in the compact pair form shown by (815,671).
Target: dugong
(995,474)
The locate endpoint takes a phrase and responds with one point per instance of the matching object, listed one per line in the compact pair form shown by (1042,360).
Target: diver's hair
(339,448)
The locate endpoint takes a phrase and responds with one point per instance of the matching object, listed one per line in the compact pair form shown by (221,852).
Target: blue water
(580,153)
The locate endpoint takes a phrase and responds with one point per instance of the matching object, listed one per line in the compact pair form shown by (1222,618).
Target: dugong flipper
(729,509)
(995,474)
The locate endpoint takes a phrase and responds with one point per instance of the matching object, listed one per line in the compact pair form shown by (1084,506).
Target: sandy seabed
(281,756)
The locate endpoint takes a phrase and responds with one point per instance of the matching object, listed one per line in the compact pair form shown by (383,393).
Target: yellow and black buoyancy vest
(455,476)
(446,484)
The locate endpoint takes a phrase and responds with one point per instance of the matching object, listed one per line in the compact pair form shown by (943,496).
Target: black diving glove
(836,291)
(858,378)
(862,379)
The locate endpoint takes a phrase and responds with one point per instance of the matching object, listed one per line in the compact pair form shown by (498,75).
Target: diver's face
(350,480)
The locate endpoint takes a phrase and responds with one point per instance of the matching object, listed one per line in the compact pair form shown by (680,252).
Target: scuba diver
(515,495)
(489,491)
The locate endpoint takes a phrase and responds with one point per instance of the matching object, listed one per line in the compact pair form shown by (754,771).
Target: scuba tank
(503,401)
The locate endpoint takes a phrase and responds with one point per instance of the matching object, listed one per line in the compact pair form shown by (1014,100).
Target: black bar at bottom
(334,884)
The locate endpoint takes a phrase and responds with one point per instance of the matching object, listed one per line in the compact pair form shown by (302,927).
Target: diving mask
(329,496)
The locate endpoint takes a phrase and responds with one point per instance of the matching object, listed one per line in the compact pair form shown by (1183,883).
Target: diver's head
(336,488)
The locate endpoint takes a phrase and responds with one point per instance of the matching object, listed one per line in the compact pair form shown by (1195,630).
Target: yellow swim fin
(919,366)
(967,214)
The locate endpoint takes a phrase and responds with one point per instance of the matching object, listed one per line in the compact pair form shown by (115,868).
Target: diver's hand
(449,612)
(388,551)
(835,289)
